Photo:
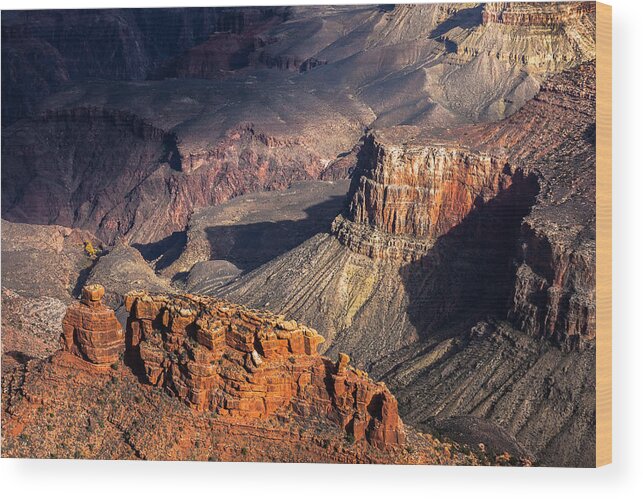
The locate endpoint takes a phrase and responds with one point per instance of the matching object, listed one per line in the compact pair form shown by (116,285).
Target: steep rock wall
(421,191)
(115,174)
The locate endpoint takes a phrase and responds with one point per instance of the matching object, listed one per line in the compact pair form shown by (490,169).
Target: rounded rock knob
(92,293)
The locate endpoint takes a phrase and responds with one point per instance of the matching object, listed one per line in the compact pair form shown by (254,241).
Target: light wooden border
(603,234)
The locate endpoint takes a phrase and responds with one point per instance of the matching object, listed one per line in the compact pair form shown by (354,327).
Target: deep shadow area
(468,274)
(20,357)
(465,19)
(165,250)
(251,245)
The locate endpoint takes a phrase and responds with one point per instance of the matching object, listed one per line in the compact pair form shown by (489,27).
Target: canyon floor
(408,187)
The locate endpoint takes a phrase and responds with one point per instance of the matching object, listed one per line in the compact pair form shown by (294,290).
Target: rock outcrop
(535,14)
(404,197)
(246,364)
(524,32)
(91,330)
(413,311)
(224,383)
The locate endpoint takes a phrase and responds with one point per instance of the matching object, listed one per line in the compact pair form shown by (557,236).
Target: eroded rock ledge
(535,14)
(246,364)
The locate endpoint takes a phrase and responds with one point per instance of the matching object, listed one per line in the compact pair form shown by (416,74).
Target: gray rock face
(44,260)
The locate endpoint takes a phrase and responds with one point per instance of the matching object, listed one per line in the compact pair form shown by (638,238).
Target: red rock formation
(246,364)
(91,330)
(403,197)
(423,191)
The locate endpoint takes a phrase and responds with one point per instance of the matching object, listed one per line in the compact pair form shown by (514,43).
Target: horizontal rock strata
(422,191)
(91,330)
(535,14)
(404,197)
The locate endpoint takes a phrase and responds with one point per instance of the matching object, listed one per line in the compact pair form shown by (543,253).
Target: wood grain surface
(603,234)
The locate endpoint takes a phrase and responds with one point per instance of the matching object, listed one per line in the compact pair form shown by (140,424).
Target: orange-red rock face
(411,195)
(91,330)
(246,364)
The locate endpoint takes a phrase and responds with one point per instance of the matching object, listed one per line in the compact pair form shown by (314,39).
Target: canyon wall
(553,136)
(554,291)
(536,14)
(524,32)
(422,198)
(44,52)
(115,174)
(423,191)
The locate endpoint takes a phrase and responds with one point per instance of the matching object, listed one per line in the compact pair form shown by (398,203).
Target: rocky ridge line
(247,364)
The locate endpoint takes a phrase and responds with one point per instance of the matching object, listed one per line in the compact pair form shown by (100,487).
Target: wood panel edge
(603,234)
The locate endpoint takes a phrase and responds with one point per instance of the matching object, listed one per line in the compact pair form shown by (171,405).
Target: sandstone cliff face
(535,14)
(66,408)
(417,192)
(407,195)
(524,32)
(246,364)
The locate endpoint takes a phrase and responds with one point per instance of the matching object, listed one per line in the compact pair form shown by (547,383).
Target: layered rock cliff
(463,248)
(91,330)
(137,158)
(524,32)
(404,197)
(117,175)
(554,292)
(535,14)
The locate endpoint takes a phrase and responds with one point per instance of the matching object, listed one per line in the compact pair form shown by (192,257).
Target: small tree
(89,249)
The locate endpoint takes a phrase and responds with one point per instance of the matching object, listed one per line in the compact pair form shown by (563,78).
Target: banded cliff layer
(215,381)
(117,175)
